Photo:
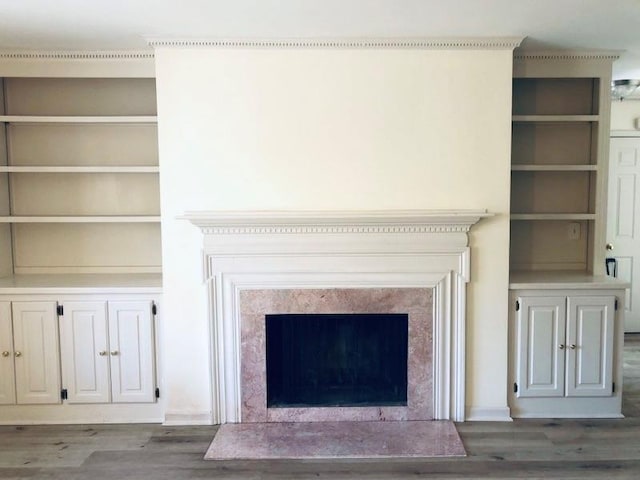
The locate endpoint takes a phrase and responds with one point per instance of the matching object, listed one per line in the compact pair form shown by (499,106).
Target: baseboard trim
(178,419)
(488,414)
(80,414)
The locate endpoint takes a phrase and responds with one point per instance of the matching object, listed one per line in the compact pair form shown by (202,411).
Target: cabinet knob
(6,354)
(102,353)
(18,354)
(609,246)
(561,346)
(115,352)
(572,346)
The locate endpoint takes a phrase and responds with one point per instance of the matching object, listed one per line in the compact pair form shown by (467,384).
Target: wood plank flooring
(566,449)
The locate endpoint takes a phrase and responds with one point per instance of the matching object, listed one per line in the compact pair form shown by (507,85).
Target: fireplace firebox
(336,360)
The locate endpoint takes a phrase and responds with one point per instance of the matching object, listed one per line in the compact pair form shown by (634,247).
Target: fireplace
(336,360)
(373,313)
(262,264)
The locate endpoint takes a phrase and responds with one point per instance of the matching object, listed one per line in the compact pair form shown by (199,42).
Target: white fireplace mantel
(341,249)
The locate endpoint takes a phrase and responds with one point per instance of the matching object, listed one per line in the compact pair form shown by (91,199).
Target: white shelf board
(78,119)
(79,169)
(555,118)
(84,282)
(553,216)
(553,168)
(81,219)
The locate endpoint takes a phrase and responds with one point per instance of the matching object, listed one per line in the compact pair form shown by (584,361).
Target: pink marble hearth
(255,304)
(335,440)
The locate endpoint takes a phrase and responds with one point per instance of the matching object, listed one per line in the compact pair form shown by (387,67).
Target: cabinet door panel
(132,354)
(7,373)
(84,352)
(590,329)
(540,335)
(37,367)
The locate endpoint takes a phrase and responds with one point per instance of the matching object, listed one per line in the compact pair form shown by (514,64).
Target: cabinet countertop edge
(559,280)
(81,283)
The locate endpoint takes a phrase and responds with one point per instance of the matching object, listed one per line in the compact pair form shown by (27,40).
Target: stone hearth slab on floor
(323,440)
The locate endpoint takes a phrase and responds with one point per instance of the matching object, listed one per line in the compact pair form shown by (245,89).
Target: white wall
(624,115)
(295,129)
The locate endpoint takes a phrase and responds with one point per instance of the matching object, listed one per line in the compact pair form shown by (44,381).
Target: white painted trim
(275,250)
(78,54)
(73,64)
(489,414)
(586,415)
(625,133)
(442,43)
(177,419)
(522,54)
(355,221)
(80,413)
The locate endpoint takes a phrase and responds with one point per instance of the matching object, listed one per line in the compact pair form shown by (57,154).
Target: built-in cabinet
(565,319)
(566,348)
(80,251)
(79,348)
(107,352)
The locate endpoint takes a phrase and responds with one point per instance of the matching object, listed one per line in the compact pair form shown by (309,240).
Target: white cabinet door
(540,346)
(7,373)
(590,346)
(85,352)
(131,347)
(37,359)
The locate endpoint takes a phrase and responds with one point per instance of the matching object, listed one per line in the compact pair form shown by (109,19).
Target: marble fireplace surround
(319,250)
(255,304)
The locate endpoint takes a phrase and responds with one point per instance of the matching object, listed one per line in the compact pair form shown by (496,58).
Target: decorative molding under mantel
(77,54)
(443,43)
(329,222)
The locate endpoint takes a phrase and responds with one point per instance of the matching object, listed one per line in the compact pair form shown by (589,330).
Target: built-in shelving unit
(558,163)
(79,189)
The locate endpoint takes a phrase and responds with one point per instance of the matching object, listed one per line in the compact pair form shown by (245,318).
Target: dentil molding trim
(78,54)
(444,43)
(567,55)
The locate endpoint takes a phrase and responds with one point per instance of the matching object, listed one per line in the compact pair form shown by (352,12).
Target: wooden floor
(567,449)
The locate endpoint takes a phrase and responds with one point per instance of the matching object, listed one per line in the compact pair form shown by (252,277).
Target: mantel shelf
(78,119)
(79,169)
(81,219)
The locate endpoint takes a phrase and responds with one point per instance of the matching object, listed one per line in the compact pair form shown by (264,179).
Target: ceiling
(124,24)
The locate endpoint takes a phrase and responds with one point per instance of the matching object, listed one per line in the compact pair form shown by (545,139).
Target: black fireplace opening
(330,360)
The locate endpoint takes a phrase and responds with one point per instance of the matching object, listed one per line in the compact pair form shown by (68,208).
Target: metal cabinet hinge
(63,394)
(517,305)
(615,304)
(613,387)
(60,310)
(154,309)
(157,393)
(515,388)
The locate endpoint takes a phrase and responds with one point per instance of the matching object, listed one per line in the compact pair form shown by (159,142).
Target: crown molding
(335,222)
(77,54)
(443,43)
(567,54)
